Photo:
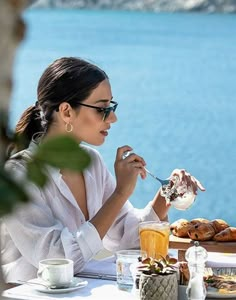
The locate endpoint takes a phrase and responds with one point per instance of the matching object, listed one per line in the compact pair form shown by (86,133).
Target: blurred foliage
(11,193)
(61,152)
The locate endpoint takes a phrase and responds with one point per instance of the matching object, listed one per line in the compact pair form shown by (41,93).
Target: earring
(69,127)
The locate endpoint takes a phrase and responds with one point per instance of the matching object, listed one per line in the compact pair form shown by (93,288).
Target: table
(96,289)
(182,244)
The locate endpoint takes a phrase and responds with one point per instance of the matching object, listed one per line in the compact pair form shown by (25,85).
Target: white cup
(57,272)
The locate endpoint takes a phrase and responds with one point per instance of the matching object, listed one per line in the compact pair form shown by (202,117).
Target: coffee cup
(57,272)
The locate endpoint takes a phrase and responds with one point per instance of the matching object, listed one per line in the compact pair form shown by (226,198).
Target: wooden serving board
(182,244)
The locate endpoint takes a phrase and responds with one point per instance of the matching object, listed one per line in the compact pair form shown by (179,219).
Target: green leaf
(63,152)
(11,193)
(36,173)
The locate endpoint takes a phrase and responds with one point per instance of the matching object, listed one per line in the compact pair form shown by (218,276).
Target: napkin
(100,269)
(216,259)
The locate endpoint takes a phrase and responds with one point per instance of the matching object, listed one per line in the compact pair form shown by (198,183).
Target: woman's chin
(96,142)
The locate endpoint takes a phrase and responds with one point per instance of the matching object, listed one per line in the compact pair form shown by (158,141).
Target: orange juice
(154,238)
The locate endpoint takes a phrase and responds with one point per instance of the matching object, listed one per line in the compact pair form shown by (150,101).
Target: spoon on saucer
(49,287)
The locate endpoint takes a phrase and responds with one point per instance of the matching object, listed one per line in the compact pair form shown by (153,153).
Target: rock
(225,6)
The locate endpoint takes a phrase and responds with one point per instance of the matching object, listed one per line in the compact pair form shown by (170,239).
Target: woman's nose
(112,118)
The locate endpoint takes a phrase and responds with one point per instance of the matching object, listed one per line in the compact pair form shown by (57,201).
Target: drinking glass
(154,238)
(126,261)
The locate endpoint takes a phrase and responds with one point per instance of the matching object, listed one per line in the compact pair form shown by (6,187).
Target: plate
(76,283)
(214,293)
(221,271)
(211,293)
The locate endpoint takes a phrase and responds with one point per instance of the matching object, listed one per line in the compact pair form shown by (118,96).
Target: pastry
(201,232)
(226,235)
(199,220)
(179,221)
(219,225)
(181,227)
(200,229)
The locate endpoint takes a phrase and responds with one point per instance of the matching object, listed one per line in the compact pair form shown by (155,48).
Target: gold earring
(69,127)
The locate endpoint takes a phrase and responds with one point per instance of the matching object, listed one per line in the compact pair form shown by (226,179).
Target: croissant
(199,220)
(205,231)
(201,232)
(200,229)
(180,227)
(226,235)
(219,225)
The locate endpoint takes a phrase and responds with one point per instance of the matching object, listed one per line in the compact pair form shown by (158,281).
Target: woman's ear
(65,111)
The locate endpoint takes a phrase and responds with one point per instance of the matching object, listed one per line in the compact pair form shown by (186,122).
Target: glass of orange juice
(154,238)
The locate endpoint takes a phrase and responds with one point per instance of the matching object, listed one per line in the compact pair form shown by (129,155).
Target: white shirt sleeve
(89,240)
(124,233)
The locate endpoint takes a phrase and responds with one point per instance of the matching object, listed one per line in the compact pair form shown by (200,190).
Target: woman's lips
(105,133)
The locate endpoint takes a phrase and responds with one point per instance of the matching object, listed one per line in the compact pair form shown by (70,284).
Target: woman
(77,213)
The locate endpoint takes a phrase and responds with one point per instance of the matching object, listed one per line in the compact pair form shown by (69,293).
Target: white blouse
(53,225)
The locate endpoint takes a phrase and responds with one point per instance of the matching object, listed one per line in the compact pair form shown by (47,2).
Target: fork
(162,181)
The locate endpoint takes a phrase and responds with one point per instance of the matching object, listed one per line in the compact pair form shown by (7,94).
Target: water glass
(125,261)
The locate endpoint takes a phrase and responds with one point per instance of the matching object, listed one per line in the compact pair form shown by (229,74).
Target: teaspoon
(162,181)
(50,287)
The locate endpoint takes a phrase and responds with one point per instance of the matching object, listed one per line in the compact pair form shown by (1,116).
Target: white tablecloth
(96,289)
(106,289)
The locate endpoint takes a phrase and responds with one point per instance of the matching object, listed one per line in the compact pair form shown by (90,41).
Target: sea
(174,77)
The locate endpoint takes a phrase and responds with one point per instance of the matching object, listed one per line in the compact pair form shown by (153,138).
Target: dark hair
(67,79)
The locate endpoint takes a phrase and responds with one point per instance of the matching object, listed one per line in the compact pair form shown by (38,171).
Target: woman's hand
(161,206)
(190,180)
(127,171)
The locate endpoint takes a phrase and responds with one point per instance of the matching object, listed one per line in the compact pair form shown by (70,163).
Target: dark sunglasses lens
(107,113)
(108,110)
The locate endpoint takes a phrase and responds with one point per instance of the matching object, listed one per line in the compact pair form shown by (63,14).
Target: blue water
(174,76)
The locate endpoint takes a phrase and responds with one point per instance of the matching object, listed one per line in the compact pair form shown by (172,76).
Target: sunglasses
(104,110)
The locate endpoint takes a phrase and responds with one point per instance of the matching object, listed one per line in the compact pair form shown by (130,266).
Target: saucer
(75,284)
